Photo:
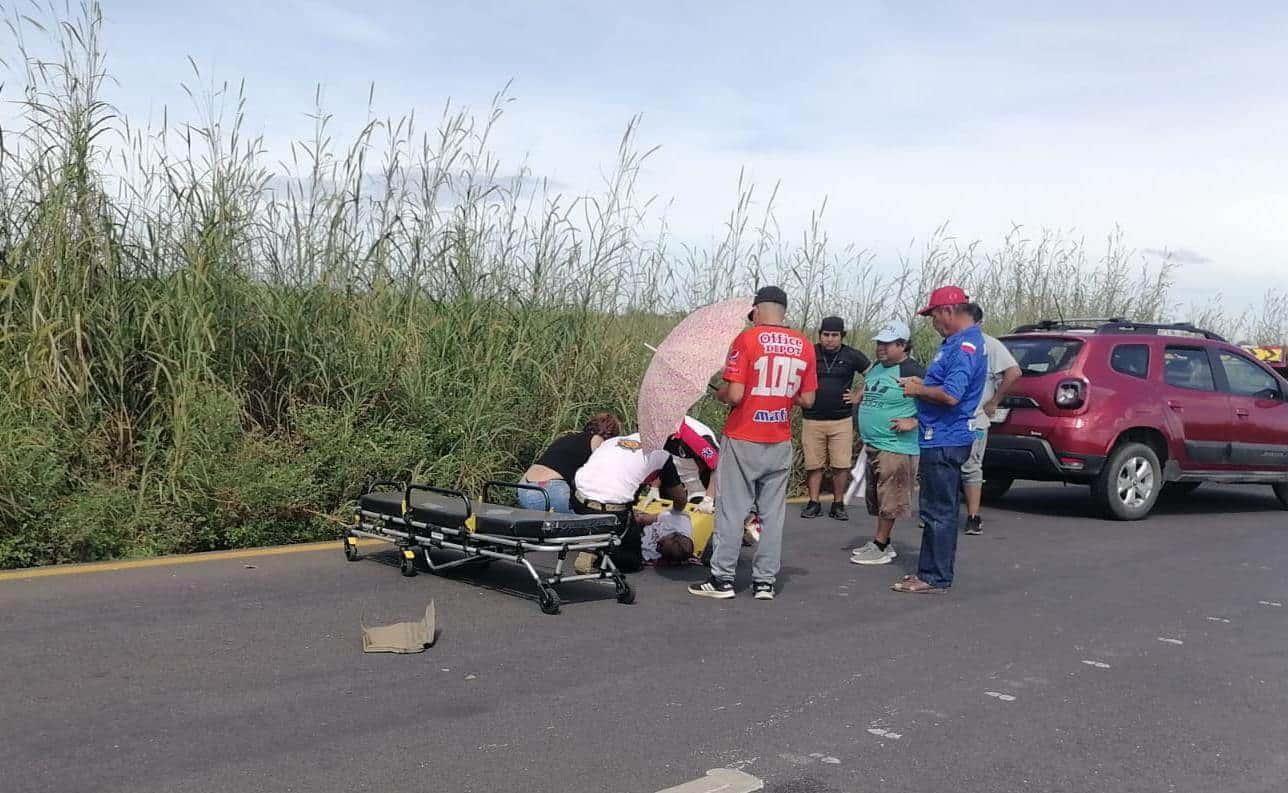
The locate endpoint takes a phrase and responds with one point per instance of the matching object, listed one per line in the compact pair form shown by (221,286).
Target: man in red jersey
(769,370)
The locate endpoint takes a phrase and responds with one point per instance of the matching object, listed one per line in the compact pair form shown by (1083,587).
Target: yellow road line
(805,500)
(191,558)
(165,561)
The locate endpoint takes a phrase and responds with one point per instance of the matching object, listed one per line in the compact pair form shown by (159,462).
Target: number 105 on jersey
(778,376)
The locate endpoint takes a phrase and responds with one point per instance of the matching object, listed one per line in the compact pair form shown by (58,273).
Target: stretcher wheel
(625,594)
(408,566)
(351,549)
(549,600)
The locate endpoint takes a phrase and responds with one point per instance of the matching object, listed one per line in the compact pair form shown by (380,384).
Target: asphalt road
(224,677)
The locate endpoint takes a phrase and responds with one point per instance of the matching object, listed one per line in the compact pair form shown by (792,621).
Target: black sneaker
(812,510)
(713,588)
(837,512)
(974,525)
(763,590)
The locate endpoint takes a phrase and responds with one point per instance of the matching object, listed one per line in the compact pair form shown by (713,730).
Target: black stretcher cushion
(502,521)
(386,503)
(533,524)
(433,507)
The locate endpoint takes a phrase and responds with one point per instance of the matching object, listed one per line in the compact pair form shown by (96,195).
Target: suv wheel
(1281,493)
(1129,484)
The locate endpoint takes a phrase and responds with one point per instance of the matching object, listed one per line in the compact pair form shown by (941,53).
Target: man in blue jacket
(947,399)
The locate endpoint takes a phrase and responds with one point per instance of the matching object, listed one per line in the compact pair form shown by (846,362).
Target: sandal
(916,587)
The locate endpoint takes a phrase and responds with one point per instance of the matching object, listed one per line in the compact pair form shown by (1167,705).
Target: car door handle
(1174,405)
(1241,413)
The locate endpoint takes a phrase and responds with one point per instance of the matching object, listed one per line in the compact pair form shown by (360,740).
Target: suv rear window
(1041,356)
(1132,359)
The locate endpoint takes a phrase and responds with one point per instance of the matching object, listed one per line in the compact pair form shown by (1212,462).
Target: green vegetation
(203,351)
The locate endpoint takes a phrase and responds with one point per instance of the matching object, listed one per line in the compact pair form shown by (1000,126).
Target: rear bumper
(1022,457)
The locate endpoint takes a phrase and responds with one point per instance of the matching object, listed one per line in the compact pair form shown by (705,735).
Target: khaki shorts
(828,444)
(891,479)
(973,470)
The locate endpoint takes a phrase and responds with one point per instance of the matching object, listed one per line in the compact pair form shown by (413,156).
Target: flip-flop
(917,587)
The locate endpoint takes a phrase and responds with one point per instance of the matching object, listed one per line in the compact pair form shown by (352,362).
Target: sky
(1168,119)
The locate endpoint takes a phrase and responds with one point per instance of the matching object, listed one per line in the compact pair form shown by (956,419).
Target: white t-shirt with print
(616,470)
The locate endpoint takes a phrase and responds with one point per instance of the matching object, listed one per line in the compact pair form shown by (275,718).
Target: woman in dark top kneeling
(555,469)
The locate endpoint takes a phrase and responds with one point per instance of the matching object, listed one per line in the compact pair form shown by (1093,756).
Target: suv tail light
(1070,394)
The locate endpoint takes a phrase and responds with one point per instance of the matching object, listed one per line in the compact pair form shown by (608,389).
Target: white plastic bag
(857,475)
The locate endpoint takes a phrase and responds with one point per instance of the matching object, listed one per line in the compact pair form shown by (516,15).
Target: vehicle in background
(1137,409)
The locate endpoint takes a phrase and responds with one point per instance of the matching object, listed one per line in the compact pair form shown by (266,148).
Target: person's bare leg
(840,481)
(973,498)
(814,483)
(884,527)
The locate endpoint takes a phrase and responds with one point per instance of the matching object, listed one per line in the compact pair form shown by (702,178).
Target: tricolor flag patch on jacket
(968,347)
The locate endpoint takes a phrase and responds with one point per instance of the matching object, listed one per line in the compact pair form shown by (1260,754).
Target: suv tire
(995,487)
(1281,493)
(1130,483)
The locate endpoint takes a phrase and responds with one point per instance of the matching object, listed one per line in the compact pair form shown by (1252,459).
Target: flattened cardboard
(720,780)
(402,637)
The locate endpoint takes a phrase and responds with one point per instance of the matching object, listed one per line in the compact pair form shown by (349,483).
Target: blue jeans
(941,500)
(558,490)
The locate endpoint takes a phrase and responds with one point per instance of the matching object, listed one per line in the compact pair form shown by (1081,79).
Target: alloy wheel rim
(1136,482)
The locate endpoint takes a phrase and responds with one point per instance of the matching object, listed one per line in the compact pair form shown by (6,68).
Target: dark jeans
(629,556)
(941,499)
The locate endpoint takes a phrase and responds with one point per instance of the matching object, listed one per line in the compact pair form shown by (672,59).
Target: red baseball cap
(945,296)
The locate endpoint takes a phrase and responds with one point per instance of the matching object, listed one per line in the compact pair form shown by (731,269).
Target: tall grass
(204,349)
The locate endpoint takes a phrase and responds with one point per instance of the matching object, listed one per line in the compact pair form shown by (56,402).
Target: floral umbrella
(682,366)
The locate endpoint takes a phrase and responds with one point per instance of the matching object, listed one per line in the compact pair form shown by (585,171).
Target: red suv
(1134,409)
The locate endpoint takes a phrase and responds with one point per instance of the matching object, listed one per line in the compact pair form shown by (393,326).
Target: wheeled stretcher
(424,518)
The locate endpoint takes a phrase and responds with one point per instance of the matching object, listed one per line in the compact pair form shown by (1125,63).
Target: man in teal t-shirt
(888,425)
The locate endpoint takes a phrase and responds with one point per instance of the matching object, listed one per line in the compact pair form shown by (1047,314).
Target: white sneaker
(871,554)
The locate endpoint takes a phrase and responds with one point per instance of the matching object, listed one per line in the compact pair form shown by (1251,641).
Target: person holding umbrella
(769,369)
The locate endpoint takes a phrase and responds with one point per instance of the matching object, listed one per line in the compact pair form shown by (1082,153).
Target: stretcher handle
(487,487)
(395,484)
(441,491)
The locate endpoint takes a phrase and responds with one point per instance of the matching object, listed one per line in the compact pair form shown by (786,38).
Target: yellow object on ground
(703,523)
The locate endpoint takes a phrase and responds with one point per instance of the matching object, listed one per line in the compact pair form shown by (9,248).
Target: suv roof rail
(1157,329)
(1068,324)
(1112,325)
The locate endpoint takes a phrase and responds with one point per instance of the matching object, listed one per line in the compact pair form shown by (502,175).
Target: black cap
(768,294)
(832,325)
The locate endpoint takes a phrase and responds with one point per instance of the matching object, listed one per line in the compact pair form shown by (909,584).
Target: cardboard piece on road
(720,780)
(403,637)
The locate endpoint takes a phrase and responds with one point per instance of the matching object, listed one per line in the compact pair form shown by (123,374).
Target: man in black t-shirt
(827,434)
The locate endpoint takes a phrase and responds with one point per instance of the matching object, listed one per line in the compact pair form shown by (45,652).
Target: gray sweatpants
(750,474)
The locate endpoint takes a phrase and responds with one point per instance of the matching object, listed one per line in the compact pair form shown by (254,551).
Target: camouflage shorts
(891,479)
